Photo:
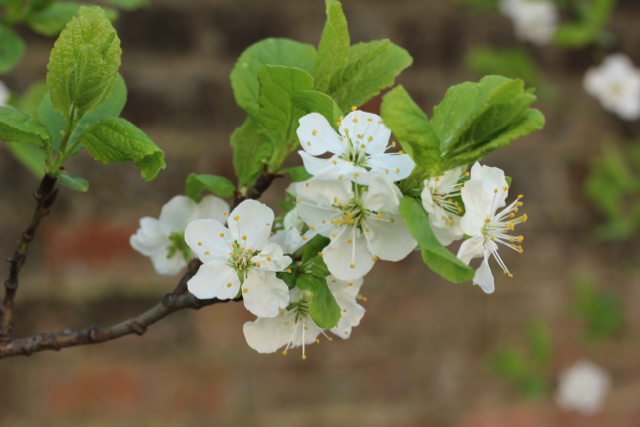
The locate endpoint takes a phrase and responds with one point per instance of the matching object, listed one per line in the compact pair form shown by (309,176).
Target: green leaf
(12,48)
(196,184)
(601,312)
(593,18)
(244,77)
(372,67)
(508,363)
(437,257)
(51,21)
(38,5)
(53,120)
(475,119)
(311,101)
(289,278)
(413,129)
(20,127)
(130,4)
(311,260)
(298,173)
(74,182)
(512,63)
(333,51)
(30,155)
(277,112)
(116,140)
(323,308)
(251,152)
(84,63)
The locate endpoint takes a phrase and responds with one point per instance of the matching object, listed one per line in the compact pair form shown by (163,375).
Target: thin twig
(261,185)
(45,195)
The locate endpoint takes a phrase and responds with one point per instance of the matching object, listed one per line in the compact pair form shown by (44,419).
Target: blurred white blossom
(162,239)
(535,21)
(616,84)
(583,388)
(4,94)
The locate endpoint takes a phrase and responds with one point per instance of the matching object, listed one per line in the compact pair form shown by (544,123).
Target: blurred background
(427,352)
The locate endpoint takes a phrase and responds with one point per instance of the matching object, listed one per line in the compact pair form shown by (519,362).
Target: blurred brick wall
(418,357)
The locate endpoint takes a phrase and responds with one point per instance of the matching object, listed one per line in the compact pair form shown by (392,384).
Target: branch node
(138,329)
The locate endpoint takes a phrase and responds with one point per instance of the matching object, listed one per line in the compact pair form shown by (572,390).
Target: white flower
(583,388)
(534,20)
(162,239)
(294,327)
(239,256)
(437,199)
(616,84)
(363,224)
(358,149)
(4,94)
(290,238)
(482,195)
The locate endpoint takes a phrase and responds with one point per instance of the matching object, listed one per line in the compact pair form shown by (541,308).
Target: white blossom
(482,195)
(437,199)
(616,84)
(358,149)
(162,239)
(583,388)
(290,238)
(535,21)
(239,257)
(4,94)
(364,225)
(294,326)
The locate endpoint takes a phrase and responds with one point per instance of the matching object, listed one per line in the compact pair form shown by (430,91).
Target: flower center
(178,244)
(240,259)
(355,153)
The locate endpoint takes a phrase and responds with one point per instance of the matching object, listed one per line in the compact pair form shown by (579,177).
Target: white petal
(348,261)
(272,258)
(212,207)
(324,193)
(168,266)
(264,294)
(350,311)
(209,239)
(477,199)
(325,138)
(349,287)
(267,334)
(382,196)
(447,235)
(253,220)
(472,223)
(311,332)
(493,179)
(361,126)
(177,213)
(150,237)
(484,278)
(390,241)
(471,248)
(212,281)
(316,165)
(395,167)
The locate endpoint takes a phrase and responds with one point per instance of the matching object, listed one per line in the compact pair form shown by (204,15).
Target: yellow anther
(286,323)
(299,200)
(229,285)
(524,218)
(341,118)
(488,220)
(304,357)
(308,142)
(307,184)
(520,238)
(386,170)
(314,133)
(398,170)
(362,146)
(346,332)
(444,217)
(324,221)
(288,270)
(335,200)
(506,272)
(340,177)
(379,216)
(450,217)
(241,248)
(350,284)
(512,215)
(355,120)
(320,254)
(199,243)
(257,264)
(269,258)
(355,175)
(312,227)
(466,174)
(304,237)
(393,144)
(451,223)
(392,220)
(515,209)
(352,266)
(334,280)
(349,241)
(520,196)
(206,253)
(317,341)
(236,217)
(226,213)
(353,108)
(360,136)
(505,188)
(335,163)
(511,239)
(282,313)
(510,275)
(340,204)
(234,245)
(333,234)
(346,130)
(400,152)
(495,191)
(284,352)
(375,258)
(339,123)
(380,122)
(245,290)
(370,138)
(369,119)
(513,246)
(244,237)
(366,229)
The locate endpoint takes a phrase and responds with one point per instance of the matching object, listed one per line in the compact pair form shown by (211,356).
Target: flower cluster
(301,273)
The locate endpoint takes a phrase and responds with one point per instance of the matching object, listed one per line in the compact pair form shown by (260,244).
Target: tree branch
(45,195)
(179,299)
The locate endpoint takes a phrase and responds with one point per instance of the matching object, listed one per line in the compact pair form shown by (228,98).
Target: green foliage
(297,173)
(53,120)
(52,20)
(323,308)
(311,260)
(84,63)
(437,257)
(613,186)
(30,101)
(73,182)
(372,67)
(196,184)
(601,311)
(528,370)
(30,155)
(277,113)
(290,275)
(116,140)
(129,4)
(333,50)
(311,101)
(475,119)
(413,129)
(12,48)
(593,15)
(512,63)
(251,152)
(20,127)
(284,52)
